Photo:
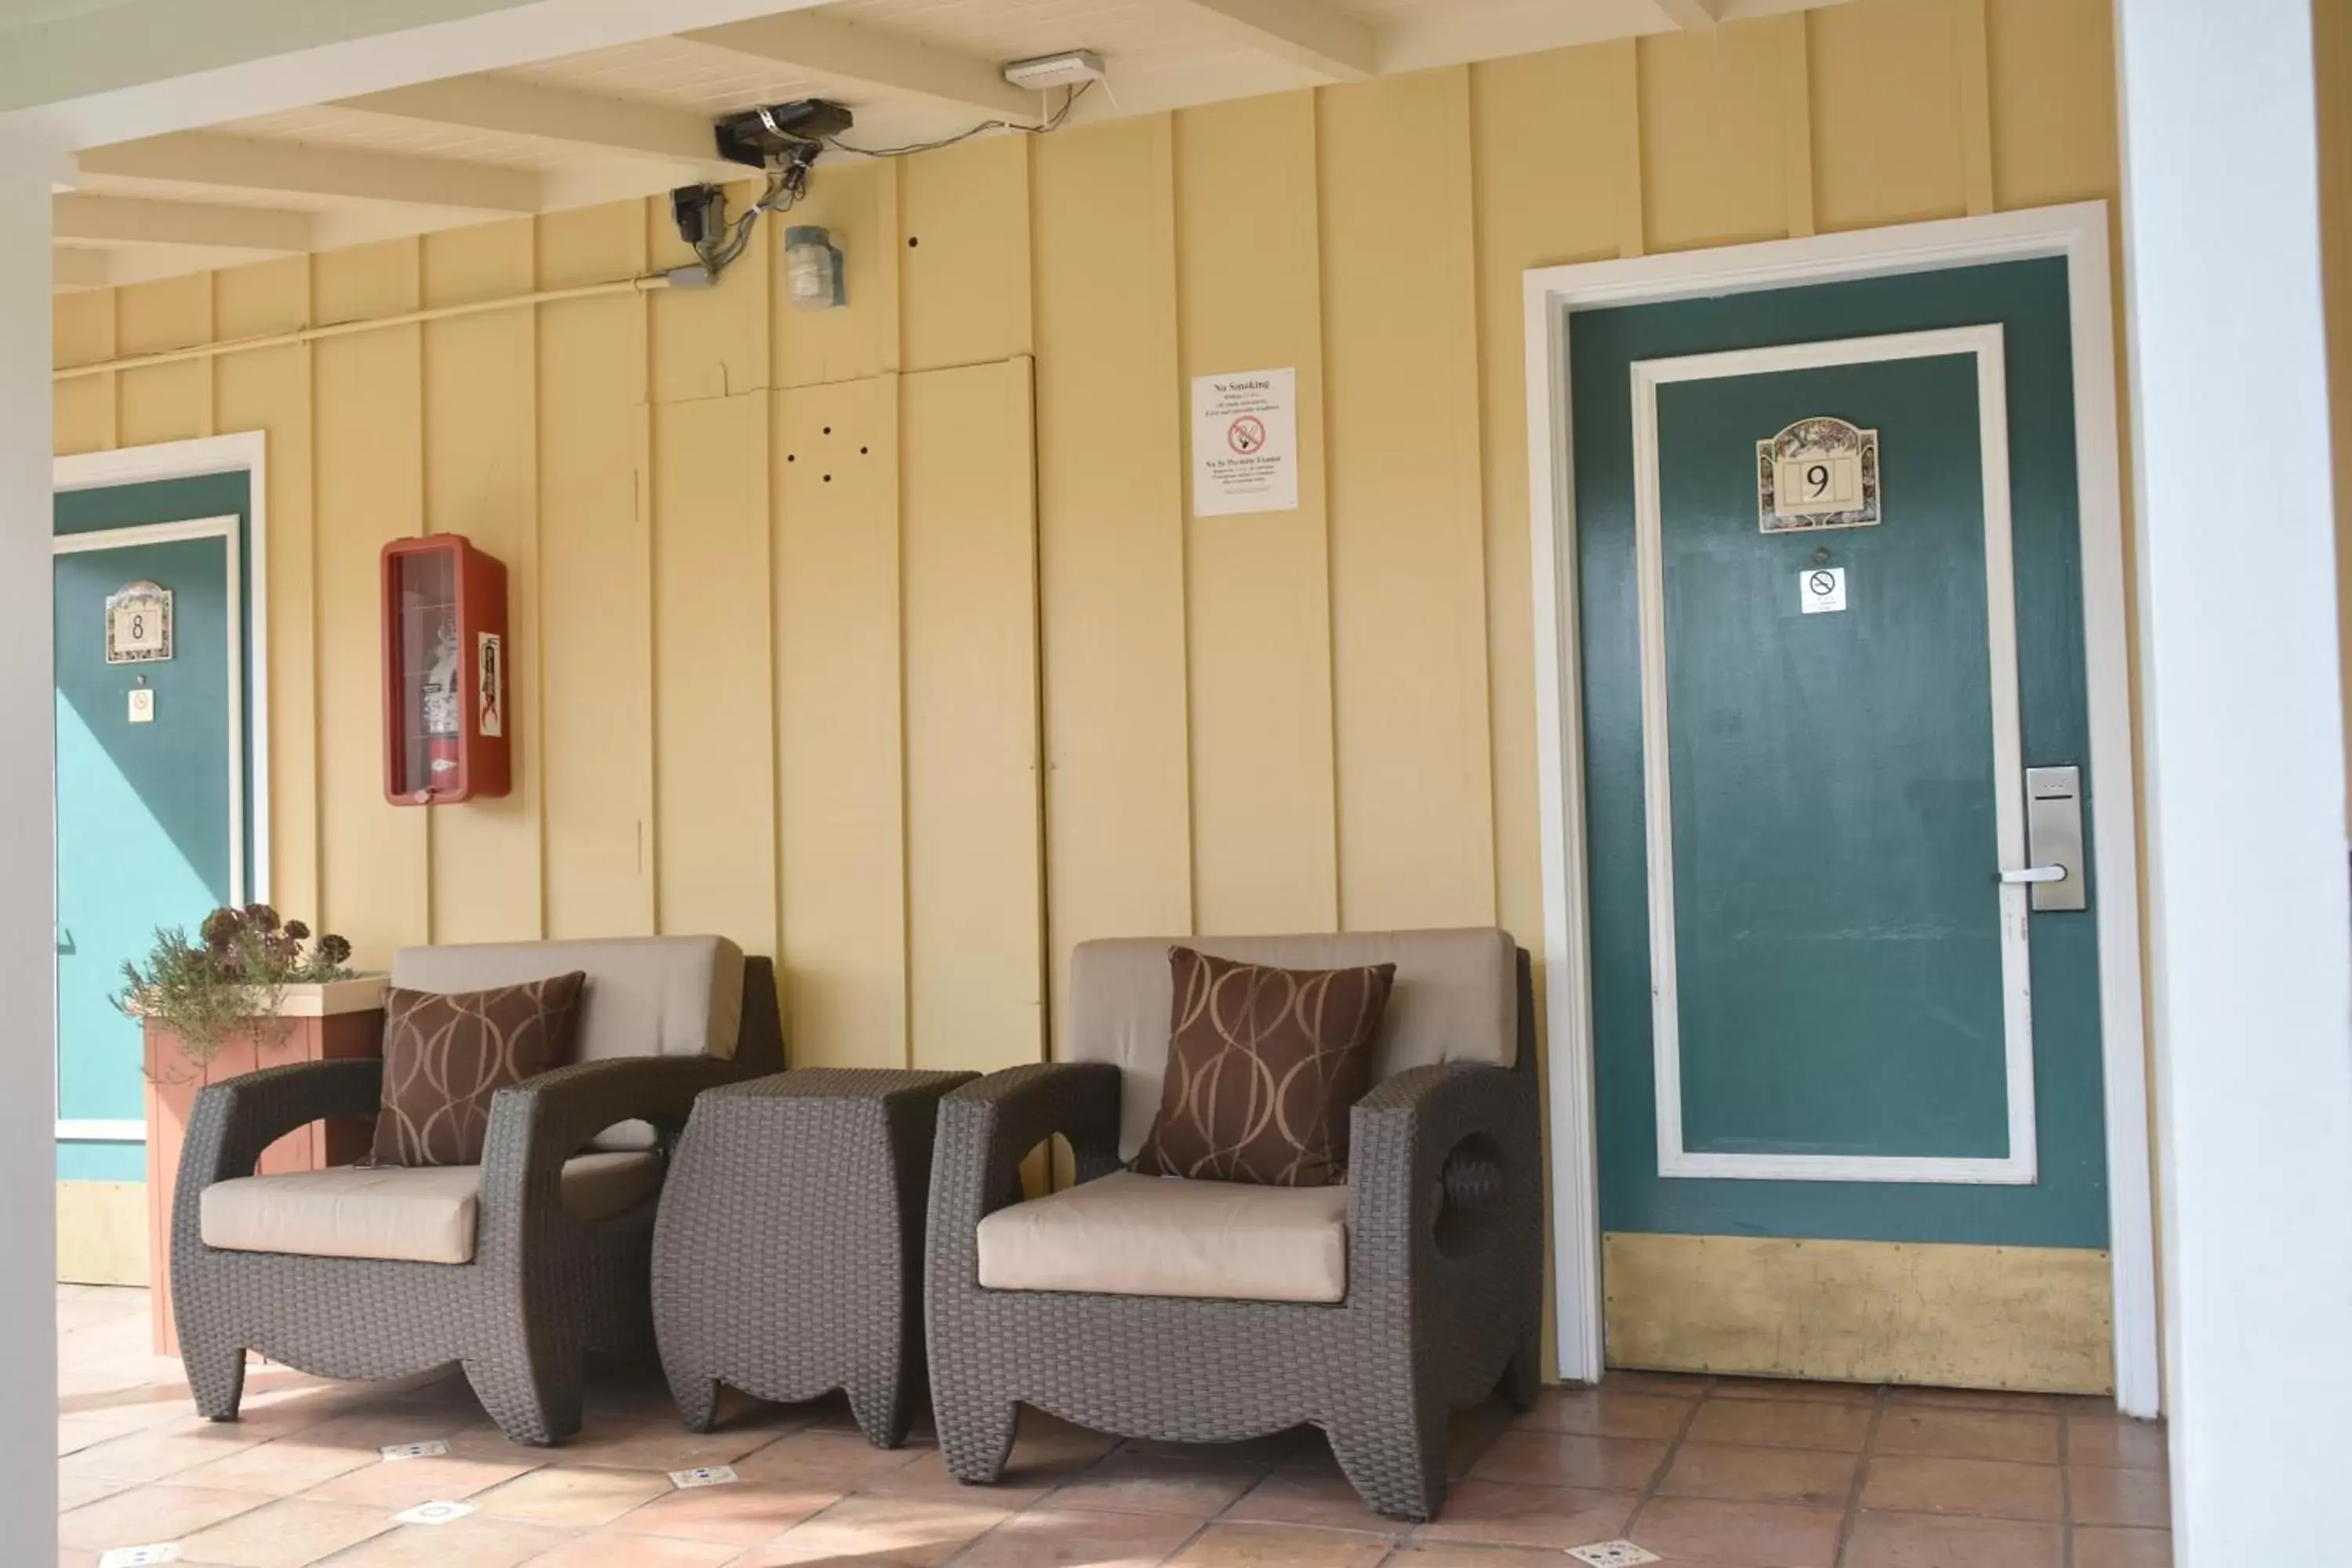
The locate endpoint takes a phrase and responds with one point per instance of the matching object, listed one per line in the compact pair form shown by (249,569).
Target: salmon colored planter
(317,1023)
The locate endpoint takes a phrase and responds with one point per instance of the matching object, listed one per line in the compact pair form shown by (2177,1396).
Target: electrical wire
(787,182)
(783,194)
(1070,97)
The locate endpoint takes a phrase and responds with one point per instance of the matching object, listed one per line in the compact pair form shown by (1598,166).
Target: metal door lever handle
(2036,874)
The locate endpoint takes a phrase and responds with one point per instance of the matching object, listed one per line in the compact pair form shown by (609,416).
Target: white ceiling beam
(79,268)
(64,168)
(510,107)
(91,74)
(1458,36)
(293,168)
(134,220)
(1745,10)
(1691,15)
(1305,32)
(876,61)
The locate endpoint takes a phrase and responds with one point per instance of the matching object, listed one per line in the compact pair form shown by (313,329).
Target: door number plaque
(138,624)
(1818,473)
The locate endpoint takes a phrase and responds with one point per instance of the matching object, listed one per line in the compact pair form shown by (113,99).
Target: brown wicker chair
(1428,1297)
(555,1226)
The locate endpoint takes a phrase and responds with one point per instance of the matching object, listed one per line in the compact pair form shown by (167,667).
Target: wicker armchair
(514,1268)
(1430,1259)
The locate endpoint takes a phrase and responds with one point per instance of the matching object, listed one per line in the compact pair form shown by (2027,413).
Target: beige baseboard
(102,1233)
(1862,1312)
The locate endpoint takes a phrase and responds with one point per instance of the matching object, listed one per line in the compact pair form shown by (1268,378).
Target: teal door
(152,816)
(1819,1012)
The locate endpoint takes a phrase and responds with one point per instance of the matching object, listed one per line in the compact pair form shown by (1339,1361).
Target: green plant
(231,979)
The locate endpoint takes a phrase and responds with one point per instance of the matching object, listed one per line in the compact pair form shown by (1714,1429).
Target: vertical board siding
(1533,208)
(1798,202)
(173,313)
(714,752)
(269,390)
(1713,163)
(1407,536)
(1888,113)
(1258,586)
(481,377)
(596,244)
(596,584)
(963,280)
(2331,45)
(270,297)
(374,880)
(2051,81)
(709,342)
(83,334)
(1971,59)
(975,914)
(858,206)
(839,724)
(164,402)
(1110,524)
(714,650)
(813,713)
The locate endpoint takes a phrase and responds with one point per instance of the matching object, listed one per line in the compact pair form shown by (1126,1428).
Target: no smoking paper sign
(1244,442)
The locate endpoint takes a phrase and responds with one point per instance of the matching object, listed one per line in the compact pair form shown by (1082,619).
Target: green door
(152,815)
(1821,1015)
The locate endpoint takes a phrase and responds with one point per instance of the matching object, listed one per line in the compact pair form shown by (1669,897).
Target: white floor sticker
(432,1449)
(1612,1555)
(433,1513)
(702,1476)
(140,1557)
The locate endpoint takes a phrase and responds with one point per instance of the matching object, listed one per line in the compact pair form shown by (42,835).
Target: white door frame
(2078,233)
(246,453)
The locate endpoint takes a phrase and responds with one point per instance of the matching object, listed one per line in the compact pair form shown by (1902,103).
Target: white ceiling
(632,118)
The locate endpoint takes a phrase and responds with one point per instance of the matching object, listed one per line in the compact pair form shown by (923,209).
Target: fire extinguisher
(441,711)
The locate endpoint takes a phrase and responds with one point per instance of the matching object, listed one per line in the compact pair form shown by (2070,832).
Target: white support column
(28,1243)
(2244,726)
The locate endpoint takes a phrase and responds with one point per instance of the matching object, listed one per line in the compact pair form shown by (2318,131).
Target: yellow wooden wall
(2331,40)
(880,639)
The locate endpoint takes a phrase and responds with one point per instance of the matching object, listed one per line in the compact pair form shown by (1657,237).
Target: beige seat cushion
(1129,1235)
(646,996)
(603,1182)
(1456,999)
(413,1215)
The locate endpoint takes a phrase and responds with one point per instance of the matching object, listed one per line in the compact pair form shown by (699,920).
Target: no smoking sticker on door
(1821,590)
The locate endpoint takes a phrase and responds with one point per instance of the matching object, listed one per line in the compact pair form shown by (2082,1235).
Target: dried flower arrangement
(231,979)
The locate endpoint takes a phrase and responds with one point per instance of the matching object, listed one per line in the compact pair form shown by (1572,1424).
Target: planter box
(320,1023)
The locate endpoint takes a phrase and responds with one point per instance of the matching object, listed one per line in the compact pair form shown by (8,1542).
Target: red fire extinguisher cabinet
(446,722)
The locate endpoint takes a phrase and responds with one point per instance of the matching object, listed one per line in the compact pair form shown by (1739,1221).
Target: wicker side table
(788,1257)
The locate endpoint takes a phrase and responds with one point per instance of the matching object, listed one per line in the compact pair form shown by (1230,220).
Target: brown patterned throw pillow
(1264,1066)
(444,1055)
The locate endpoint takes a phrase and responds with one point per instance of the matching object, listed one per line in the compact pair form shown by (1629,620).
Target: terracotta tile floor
(1720,1472)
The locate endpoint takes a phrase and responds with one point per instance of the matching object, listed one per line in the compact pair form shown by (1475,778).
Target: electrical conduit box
(446,688)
